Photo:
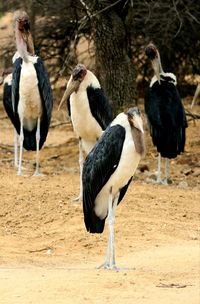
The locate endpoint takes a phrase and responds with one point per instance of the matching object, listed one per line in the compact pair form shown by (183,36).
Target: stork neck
(157,66)
(24,43)
(21,45)
(30,45)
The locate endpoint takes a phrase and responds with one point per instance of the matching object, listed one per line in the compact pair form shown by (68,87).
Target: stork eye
(76,77)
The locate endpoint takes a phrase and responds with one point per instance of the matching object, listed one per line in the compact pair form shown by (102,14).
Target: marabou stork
(107,173)
(196,94)
(165,113)
(88,108)
(31,92)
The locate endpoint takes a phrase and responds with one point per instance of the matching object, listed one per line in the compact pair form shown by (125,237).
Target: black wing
(167,118)
(46,97)
(123,190)
(15,91)
(99,165)
(7,102)
(99,106)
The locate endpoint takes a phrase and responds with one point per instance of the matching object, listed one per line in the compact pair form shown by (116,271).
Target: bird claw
(37,173)
(108,266)
(78,199)
(165,181)
(160,182)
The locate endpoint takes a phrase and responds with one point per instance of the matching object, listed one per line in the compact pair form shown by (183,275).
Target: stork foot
(19,173)
(37,173)
(78,199)
(108,266)
(165,181)
(159,181)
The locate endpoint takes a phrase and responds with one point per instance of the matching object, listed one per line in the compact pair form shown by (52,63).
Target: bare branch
(86,8)
(192,115)
(192,16)
(180,20)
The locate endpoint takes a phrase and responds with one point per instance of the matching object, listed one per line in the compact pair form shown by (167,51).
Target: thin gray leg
(166,171)
(159,180)
(110,250)
(81,160)
(112,245)
(110,253)
(21,140)
(37,170)
(106,264)
(15,148)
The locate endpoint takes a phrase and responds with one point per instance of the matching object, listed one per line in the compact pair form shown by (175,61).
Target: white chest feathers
(169,75)
(125,170)
(84,124)
(30,105)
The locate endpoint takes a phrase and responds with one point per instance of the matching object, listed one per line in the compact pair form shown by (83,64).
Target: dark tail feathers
(93,223)
(30,140)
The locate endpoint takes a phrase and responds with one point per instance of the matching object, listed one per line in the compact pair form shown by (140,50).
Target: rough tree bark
(113,65)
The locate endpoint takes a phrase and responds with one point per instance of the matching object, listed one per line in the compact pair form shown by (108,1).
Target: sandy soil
(46,256)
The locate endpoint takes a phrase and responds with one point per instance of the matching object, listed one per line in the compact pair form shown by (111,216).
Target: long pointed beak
(197,92)
(156,67)
(71,87)
(138,123)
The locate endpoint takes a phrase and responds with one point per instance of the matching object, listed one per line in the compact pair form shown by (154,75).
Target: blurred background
(109,37)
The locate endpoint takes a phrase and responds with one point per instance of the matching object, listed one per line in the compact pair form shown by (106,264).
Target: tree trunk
(113,65)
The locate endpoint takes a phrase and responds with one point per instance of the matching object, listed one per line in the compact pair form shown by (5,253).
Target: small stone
(196,172)
(183,184)
(187,171)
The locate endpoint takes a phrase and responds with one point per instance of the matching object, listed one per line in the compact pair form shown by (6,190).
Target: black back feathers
(166,117)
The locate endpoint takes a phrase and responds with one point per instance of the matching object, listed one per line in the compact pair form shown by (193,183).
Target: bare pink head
(23,36)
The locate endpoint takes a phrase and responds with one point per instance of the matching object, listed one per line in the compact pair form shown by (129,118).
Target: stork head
(153,54)
(75,80)
(21,21)
(135,119)
(24,41)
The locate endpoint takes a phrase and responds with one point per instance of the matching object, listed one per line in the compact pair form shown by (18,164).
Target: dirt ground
(46,255)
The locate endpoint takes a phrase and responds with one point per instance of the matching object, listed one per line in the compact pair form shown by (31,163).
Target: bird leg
(21,140)
(165,181)
(106,264)
(37,136)
(159,180)
(15,148)
(110,253)
(111,221)
(81,160)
